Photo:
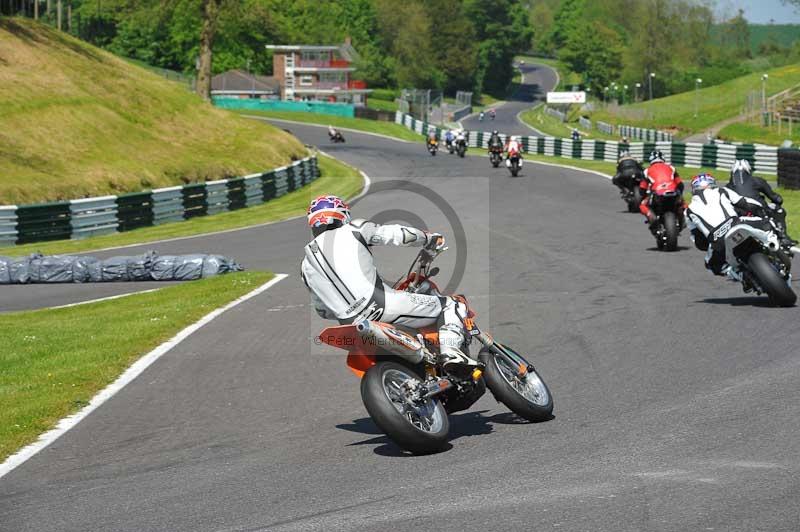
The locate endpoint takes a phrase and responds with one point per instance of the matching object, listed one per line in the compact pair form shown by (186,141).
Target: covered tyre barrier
(150,266)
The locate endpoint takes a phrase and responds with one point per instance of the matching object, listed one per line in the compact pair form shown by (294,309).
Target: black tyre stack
(789,168)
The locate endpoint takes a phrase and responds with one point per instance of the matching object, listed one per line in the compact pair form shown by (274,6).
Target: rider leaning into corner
(339,271)
(710,208)
(746,184)
(627,169)
(657,173)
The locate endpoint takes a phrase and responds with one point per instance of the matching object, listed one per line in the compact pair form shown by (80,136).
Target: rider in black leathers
(746,184)
(627,169)
(495,141)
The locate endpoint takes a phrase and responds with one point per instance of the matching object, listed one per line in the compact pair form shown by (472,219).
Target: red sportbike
(406,391)
(514,162)
(666,203)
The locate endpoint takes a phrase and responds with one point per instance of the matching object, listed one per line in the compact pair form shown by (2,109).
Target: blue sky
(760,11)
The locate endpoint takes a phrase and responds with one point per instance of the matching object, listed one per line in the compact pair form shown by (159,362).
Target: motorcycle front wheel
(776,287)
(420,428)
(526,395)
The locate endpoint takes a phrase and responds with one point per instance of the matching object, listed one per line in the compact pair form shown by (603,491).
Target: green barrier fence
(335,109)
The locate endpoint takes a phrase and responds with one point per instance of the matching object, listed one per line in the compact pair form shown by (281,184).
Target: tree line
(438,44)
(624,41)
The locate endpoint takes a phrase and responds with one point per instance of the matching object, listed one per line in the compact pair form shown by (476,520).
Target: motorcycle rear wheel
(637,196)
(528,397)
(420,429)
(670,231)
(776,287)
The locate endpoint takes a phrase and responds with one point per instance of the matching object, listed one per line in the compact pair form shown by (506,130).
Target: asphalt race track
(676,396)
(538,80)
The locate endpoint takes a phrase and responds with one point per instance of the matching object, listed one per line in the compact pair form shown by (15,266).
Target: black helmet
(656,157)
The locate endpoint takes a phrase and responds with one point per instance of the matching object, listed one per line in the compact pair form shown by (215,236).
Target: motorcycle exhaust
(392,340)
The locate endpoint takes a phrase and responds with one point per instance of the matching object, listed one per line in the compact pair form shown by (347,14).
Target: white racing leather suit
(339,271)
(709,209)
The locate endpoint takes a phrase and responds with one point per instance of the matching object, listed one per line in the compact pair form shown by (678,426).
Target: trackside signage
(566,97)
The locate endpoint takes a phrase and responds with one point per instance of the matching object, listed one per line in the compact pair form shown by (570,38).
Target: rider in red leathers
(659,173)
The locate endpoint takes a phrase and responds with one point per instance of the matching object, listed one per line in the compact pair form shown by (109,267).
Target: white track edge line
(136,369)
(351,130)
(99,299)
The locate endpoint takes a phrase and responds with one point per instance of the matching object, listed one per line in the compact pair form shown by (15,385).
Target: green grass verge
(749,132)
(54,361)
(77,121)
(715,104)
(381,105)
(361,124)
(549,125)
(337,178)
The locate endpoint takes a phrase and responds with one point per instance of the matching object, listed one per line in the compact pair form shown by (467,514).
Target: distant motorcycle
(450,146)
(336,137)
(666,203)
(514,162)
(496,156)
(461,145)
(433,146)
(480,117)
(754,248)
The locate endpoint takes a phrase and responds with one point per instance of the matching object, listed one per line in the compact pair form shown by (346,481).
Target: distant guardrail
(336,109)
(694,155)
(82,218)
(648,135)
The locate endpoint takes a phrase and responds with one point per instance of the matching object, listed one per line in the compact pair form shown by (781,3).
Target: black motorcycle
(632,194)
(335,137)
(461,147)
(496,156)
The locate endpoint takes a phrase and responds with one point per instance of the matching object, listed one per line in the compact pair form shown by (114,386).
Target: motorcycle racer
(711,207)
(495,143)
(657,173)
(513,147)
(339,271)
(746,184)
(627,169)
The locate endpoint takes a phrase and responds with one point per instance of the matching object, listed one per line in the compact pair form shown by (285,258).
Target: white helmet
(740,165)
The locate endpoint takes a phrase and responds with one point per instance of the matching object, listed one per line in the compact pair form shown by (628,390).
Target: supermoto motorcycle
(406,391)
(433,146)
(666,203)
(461,145)
(496,155)
(753,246)
(514,162)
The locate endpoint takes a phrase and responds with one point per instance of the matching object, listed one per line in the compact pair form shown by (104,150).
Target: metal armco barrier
(694,155)
(649,135)
(109,214)
(8,224)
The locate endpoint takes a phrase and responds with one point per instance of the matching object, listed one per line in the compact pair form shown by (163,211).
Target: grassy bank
(361,124)
(715,104)
(76,121)
(337,178)
(54,361)
(749,132)
(550,125)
